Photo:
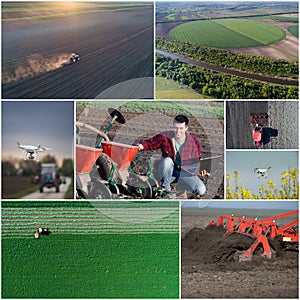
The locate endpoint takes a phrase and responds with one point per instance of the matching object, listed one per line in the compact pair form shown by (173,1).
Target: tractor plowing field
(258,123)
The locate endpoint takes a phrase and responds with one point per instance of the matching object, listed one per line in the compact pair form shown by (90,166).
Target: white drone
(32,152)
(261,172)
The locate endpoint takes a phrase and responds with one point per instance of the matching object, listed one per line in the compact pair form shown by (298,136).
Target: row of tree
(220,86)
(221,57)
(30,167)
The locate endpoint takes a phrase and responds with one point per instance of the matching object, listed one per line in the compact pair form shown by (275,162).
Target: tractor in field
(258,122)
(41,231)
(74,58)
(49,177)
(268,237)
(104,172)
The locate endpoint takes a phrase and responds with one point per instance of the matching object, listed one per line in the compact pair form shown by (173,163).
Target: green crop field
(204,108)
(227,33)
(294,30)
(104,250)
(169,89)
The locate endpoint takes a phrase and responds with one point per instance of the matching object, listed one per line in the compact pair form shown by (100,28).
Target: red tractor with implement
(258,122)
(265,232)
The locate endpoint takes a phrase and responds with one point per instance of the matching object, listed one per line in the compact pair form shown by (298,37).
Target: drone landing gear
(30,155)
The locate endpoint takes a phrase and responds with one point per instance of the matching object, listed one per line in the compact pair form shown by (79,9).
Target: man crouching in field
(179,149)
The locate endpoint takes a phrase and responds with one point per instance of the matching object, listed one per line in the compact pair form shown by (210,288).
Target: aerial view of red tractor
(258,122)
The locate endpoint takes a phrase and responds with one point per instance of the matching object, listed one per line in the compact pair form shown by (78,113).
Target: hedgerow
(220,86)
(221,57)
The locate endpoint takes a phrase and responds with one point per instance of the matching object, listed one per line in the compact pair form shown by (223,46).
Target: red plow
(263,231)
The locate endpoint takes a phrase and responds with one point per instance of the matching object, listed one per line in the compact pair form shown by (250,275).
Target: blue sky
(46,123)
(246,161)
(243,204)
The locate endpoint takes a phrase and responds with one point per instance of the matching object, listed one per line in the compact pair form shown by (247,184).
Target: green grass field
(169,89)
(227,33)
(294,30)
(105,250)
(205,108)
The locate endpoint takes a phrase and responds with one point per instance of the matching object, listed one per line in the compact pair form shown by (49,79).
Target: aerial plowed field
(283,116)
(115,45)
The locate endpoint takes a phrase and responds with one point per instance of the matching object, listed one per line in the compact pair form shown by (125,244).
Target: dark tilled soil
(114,47)
(283,117)
(210,267)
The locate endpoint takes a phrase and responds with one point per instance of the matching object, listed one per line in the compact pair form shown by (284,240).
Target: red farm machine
(258,123)
(264,232)
(103,171)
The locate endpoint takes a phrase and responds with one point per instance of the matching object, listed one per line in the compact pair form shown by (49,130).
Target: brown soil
(141,126)
(210,268)
(287,48)
(14,184)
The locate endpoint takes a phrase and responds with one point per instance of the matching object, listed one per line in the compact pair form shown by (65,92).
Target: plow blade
(261,240)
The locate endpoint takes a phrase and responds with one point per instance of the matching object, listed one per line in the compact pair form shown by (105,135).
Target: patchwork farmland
(94,250)
(253,44)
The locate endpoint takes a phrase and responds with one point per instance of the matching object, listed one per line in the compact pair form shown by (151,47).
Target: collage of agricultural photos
(149,149)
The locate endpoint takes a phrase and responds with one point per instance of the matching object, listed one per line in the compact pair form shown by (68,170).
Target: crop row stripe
(22,222)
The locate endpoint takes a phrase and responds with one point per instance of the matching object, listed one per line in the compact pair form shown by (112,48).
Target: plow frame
(261,230)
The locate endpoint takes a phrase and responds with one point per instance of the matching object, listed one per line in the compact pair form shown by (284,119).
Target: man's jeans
(169,174)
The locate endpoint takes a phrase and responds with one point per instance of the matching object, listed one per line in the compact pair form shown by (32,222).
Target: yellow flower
(285,174)
(270,183)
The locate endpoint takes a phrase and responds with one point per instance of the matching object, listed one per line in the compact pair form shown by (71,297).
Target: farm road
(50,193)
(283,116)
(114,47)
(232,72)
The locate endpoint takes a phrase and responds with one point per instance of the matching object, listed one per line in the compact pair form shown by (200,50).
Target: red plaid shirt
(191,149)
